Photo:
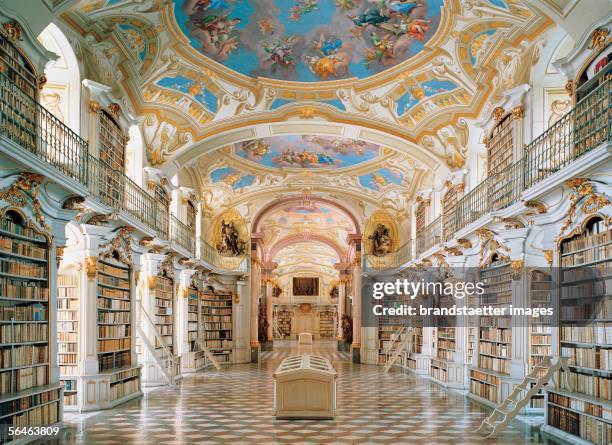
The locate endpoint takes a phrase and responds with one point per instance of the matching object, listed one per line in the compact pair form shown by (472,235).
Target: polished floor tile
(235,406)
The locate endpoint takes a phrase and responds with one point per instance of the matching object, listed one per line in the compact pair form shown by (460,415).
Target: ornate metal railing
(27,123)
(390,261)
(114,189)
(581,130)
(210,255)
(430,236)
(182,235)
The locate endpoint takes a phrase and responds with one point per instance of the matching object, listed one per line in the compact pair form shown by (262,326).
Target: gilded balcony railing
(581,130)
(210,255)
(114,189)
(584,128)
(182,235)
(27,123)
(430,236)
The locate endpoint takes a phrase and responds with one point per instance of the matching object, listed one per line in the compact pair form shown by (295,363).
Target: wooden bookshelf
(27,397)
(283,318)
(193,310)
(387,327)
(540,344)
(216,311)
(114,323)
(68,335)
(494,350)
(500,145)
(17,68)
(163,293)
(327,325)
(583,408)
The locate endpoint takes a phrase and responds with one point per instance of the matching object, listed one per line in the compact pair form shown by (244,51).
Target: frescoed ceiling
(308,40)
(306,257)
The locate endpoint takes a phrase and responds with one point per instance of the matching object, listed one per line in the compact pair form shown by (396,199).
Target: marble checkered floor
(235,406)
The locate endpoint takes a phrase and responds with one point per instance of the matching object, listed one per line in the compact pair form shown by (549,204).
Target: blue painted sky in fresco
(182,84)
(431,87)
(240,179)
(307,152)
(379,178)
(327,19)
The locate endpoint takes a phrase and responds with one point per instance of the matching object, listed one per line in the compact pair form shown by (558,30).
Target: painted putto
(307,151)
(308,40)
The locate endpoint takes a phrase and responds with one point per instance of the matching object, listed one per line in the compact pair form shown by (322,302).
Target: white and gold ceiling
(361,100)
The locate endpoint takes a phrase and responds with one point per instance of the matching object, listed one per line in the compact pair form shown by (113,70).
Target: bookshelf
(27,397)
(327,325)
(68,334)
(500,145)
(540,344)
(17,68)
(216,312)
(583,409)
(416,347)
(283,318)
(494,335)
(113,315)
(193,309)
(388,326)
(163,296)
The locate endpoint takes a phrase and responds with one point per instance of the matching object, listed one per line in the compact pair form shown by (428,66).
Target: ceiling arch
(309,238)
(300,200)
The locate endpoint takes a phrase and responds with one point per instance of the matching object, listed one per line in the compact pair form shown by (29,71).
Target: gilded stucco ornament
(12,30)
(599,38)
(517,269)
(489,247)
(121,244)
(465,243)
(535,207)
(25,188)
(584,199)
(59,253)
(548,254)
(91,266)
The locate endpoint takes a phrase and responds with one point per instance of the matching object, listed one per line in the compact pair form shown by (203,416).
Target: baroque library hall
(306,222)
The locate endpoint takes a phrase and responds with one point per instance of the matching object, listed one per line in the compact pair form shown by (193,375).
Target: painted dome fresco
(308,40)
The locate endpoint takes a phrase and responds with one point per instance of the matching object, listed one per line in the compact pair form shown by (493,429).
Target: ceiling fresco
(308,40)
(230,176)
(312,152)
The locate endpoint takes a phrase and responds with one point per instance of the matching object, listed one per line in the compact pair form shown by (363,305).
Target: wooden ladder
(522,393)
(399,342)
(208,354)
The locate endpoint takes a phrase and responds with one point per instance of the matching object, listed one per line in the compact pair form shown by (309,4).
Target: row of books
(109,292)
(483,390)
(219,318)
(113,361)
(540,335)
(70,399)
(541,350)
(24,248)
(496,322)
(69,370)
(67,315)
(113,317)
(217,304)
(67,347)
(30,312)
(594,310)
(591,385)
(192,316)
(24,403)
(497,349)
(22,268)
(25,290)
(68,336)
(67,359)
(216,344)
(445,354)
(214,335)
(584,241)
(113,345)
(163,320)
(599,333)
(585,289)
(115,271)
(496,334)
(587,428)
(438,371)
(39,416)
(124,375)
(113,281)
(114,331)
(587,256)
(590,272)
(65,326)
(9,226)
(592,409)
(192,335)
(588,357)
(500,365)
(25,355)
(163,303)
(107,303)
(23,332)
(446,344)
(125,388)
(165,329)
(21,379)
(218,326)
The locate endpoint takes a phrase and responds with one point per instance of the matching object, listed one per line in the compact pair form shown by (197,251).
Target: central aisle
(236,406)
